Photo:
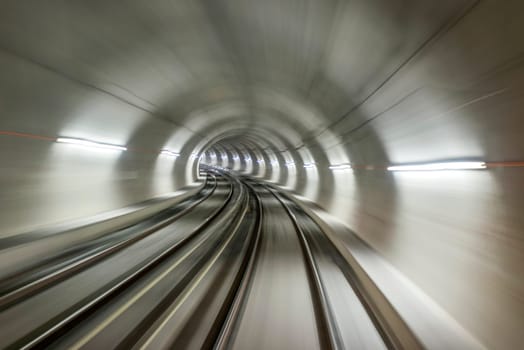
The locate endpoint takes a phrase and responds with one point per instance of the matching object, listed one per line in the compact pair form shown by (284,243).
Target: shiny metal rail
(315,243)
(45,273)
(48,332)
(196,316)
(328,330)
(10,242)
(196,292)
(241,287)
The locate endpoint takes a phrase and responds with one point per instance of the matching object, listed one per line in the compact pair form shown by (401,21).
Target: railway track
(237,266)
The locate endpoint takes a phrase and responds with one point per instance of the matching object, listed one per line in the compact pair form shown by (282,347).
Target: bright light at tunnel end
(91,144)
(439,166)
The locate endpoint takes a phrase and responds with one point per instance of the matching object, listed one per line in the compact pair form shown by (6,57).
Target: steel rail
(47,334)
(241,286)
(96,254)
(331,334)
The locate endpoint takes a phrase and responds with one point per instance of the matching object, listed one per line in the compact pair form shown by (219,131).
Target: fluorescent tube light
(169,153)
(309,165)
(340,166)
(439,166)
(91,144)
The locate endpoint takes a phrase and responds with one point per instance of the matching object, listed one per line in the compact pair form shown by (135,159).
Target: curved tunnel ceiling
(320,97)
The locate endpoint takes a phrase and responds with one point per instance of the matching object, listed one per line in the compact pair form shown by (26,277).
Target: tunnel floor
(238,265)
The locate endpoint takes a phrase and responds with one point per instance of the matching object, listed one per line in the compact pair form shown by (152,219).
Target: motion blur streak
(304,174)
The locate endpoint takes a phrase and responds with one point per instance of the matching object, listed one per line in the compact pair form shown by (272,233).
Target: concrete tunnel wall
(367,83)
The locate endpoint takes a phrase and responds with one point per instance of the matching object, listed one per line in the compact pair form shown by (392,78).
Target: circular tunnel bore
(371,152)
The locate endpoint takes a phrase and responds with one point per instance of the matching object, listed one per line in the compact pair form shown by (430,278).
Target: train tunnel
(382,138)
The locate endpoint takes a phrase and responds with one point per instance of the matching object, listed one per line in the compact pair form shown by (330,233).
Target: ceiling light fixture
(439,166)
(309,165)
(169,153)
(91,144)
(340,166)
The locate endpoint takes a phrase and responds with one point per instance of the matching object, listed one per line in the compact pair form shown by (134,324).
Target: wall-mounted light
(439,166)
(236,158)
(290,164)
(169,153)
(274,163)
(259,161)
(340,167)
(247,159)
(91,144)
(309,165)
